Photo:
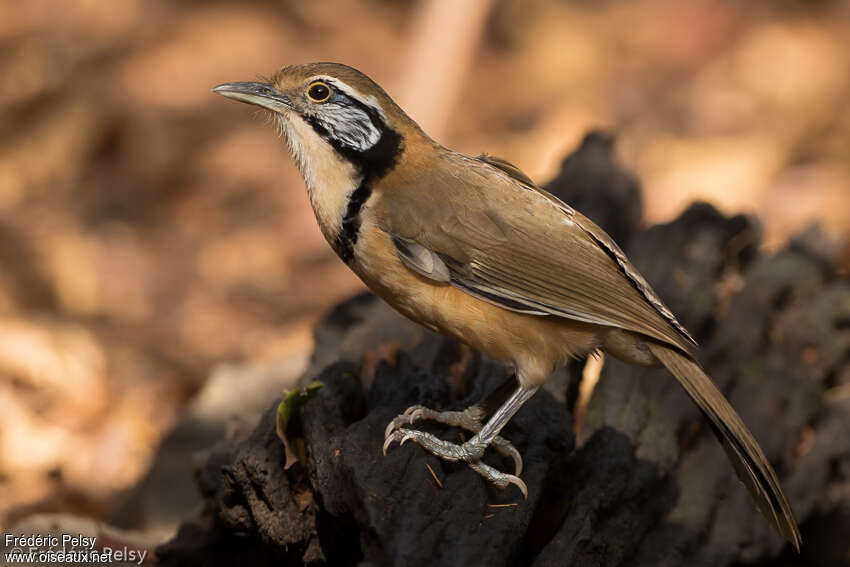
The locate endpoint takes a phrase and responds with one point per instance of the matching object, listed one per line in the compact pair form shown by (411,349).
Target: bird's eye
(318,92)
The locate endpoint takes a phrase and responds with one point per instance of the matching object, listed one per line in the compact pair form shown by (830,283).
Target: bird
(472,248)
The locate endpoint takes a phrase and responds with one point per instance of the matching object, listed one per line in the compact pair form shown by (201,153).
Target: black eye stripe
(340,98)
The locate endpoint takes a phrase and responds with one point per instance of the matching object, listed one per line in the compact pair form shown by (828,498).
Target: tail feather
(743,450)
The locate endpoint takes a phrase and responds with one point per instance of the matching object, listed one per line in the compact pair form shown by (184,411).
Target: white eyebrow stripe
(347,89)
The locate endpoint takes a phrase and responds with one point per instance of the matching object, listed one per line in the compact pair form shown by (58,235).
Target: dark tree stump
(648,483)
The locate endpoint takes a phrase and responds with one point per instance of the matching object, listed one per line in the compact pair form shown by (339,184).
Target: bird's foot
(469,452)
(468,419)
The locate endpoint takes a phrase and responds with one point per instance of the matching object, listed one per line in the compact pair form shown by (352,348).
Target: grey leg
(472,450)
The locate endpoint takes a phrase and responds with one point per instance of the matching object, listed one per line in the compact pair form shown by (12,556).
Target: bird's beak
(260,94)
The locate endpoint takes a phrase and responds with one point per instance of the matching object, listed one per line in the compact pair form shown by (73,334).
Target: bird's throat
(330,179)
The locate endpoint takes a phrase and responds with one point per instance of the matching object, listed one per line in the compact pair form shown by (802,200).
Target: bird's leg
(472,450)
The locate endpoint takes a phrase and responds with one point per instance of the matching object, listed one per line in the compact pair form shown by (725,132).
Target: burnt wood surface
(645,482)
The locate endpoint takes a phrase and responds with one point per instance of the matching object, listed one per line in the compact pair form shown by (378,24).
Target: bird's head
(324,106)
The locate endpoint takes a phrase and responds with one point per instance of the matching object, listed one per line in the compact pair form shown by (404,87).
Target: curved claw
(389,441)
(416,414)
(402,436)
(391,426)
(507,449)
(511,479)
(413,409)
(397,422)
(498,478)
(410,415)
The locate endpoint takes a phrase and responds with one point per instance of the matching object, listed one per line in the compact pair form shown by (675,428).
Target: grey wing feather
(421,260)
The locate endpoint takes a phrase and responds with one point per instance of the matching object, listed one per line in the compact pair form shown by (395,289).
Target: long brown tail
(743,450)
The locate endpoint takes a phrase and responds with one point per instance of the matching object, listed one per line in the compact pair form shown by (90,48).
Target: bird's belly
(535,345)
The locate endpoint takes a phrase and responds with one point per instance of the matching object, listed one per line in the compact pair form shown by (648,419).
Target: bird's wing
(495,235)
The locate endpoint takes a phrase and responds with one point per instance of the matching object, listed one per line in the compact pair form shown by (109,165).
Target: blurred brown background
(151,231)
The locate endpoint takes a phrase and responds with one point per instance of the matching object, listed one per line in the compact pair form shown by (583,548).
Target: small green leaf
(291,403)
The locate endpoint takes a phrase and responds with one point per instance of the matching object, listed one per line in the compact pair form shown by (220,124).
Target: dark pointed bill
(260,94)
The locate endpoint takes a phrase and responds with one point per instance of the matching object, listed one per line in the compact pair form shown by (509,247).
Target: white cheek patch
(350,126)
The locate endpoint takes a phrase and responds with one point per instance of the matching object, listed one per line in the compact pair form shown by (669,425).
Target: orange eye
(318,92)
